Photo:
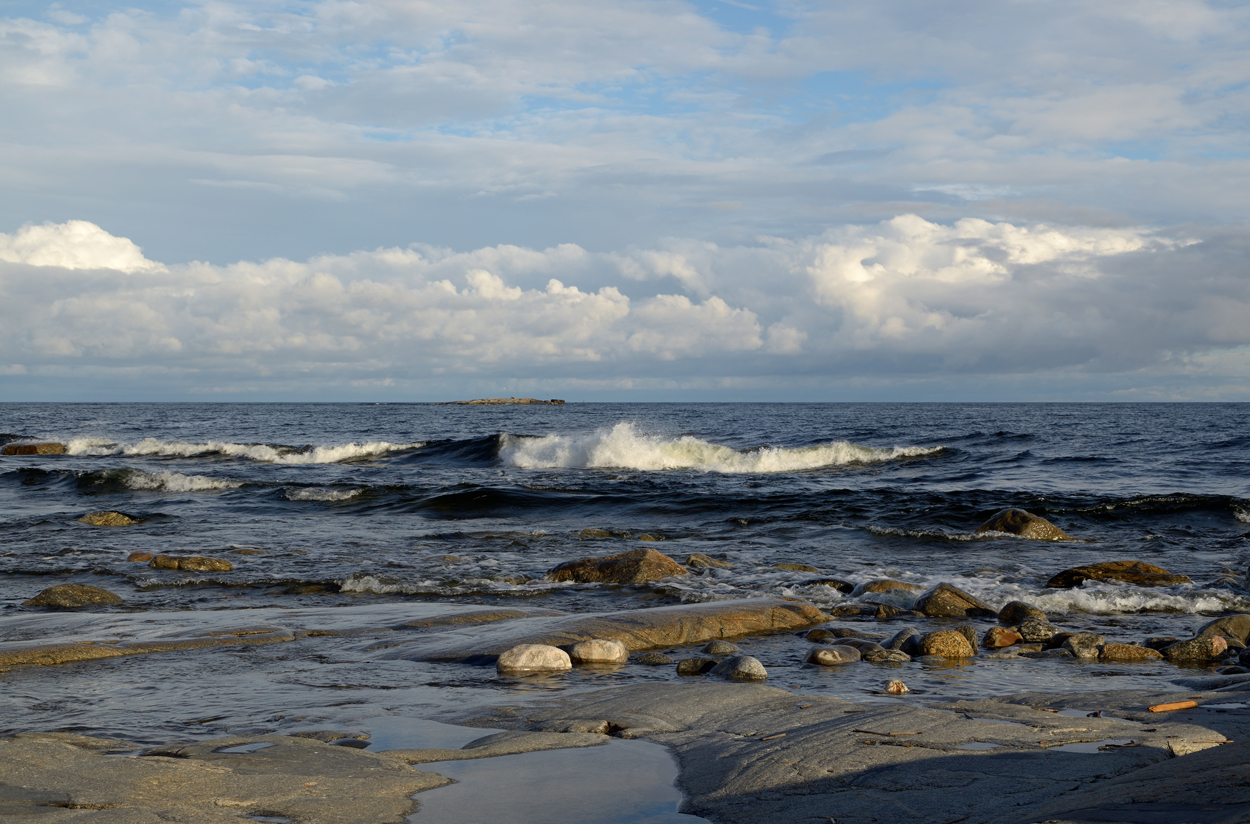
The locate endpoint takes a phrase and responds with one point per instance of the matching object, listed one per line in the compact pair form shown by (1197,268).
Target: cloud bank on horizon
(408,200)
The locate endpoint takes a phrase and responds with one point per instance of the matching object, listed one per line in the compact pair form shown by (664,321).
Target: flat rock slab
(512,742)
(27,655)
(637,629)
(59,778)
(751,753)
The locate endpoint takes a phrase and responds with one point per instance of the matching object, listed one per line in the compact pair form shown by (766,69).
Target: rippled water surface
(357,507)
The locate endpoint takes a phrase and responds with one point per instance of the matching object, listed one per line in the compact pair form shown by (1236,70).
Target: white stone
(599,651)
(534,658)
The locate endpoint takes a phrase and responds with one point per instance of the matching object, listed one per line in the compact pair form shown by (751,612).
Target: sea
(363,515)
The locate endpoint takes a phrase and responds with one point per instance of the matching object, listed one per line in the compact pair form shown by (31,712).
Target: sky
(399,200)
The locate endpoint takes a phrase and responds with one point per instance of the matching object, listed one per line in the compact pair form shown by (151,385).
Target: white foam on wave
(263,453)
(1242,515)
(1111,599)
(317,494)
(175,482)
(622,447)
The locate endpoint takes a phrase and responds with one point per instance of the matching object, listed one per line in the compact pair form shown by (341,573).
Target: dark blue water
(355,507)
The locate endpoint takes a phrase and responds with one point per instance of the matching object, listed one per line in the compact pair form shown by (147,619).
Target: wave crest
(621,447)
(264,453)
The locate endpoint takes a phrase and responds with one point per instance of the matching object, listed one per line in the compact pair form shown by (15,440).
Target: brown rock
(1127,654)
(1230,626)
(884,585)
(946,601)
(1138,573)
(1024,524)
(1203,648)
(637,566)
(72,596)
(198,563)
(139,556)
(1013,613)
(34,449)
(946,643)
(999,637)
(885,612)
(796,567)
(700,561)
(896,688)
(109,518)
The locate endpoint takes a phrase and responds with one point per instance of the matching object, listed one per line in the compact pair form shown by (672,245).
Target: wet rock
(848,610)
(654,659)
(969,632)
(1138,573)
(819,635)
(999,637)
(1084,645)
(599,651)
(1159,641)
(1203,648)
(883,585)
(862,644)
(34,449)
(1127,654)
(1243,657)
(1057,640)
(946,643)
(109,518)
(946,601)
(896,688)
(72,596)
(832,656)
(900,639)
(740,668)
(701,561)
(140,557)
(1034,631)
(638,566)
(534,658)
(885,612)
(1024,524)
(1230,626)
(845,587)
(796,567)
(885,656)
(695,666)
(1048,653)
(196,563)
(1013,613)
(719,647)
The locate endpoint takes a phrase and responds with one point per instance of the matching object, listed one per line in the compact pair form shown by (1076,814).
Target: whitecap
(622,447)
(318,494)
(263,453)
(175,482)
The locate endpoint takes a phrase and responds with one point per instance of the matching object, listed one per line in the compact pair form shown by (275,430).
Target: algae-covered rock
(109,517)
(789,567)
(700,561)
(1138,573)
(638,566)
(34,449)
(1015,521)
(73,596)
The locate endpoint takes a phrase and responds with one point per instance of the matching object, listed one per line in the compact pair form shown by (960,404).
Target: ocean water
(360,515)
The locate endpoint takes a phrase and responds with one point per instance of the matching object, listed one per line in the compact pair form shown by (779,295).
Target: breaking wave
(621,447)
(317,494)
(139,480)
(264,453)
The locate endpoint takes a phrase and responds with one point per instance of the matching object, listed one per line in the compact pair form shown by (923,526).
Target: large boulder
(740,668)
(946,643)
(34,449)
(109,517)
(1024,524)
(946,601)
(1138,573)
(638,566)
(599,651)
(1013,613)
(1230,626)
(534,658)
(197,563)
(72,596)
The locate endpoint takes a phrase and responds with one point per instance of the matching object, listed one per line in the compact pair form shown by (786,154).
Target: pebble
(832,656)
(599,651)
(740,668)
(534,658)
(719,647)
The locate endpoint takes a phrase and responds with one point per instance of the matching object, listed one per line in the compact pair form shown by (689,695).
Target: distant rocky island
(505,401)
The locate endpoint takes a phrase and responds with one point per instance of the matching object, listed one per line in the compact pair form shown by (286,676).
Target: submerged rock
(638,566)
(796,567)
(946,601)
(599,651)
(654,659)
(534,658)
(883,585)
(832,656)
(34,449)
(946,643)
(1138,573)
(197,563)
(845,587)
(1230,626)
(719,647)
(896,688)
(1127,654)
(1015,521)
(695,666)
(701,561)
(140,557)
(740,668)
(1203,648)
(72,596)
(109,518)
(1013,613)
